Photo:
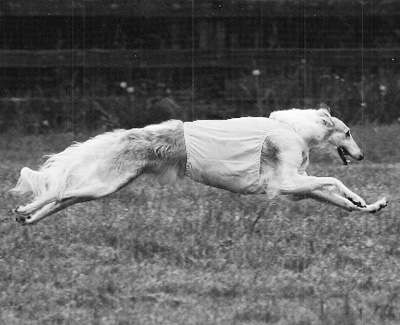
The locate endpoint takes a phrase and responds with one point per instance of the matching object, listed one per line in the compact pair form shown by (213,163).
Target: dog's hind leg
(32,207)
(49,209)
(96,188)
(77,196)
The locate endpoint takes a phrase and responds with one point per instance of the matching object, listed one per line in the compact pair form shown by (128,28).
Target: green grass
(189,254)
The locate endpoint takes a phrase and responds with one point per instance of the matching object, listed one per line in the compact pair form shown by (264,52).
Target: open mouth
(342,153)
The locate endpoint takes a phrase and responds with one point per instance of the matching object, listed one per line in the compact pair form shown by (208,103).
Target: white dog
(252,155)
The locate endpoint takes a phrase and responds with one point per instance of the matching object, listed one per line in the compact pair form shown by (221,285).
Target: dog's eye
(348,134)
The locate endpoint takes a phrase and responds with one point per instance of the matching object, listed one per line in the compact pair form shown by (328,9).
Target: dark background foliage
(63,62)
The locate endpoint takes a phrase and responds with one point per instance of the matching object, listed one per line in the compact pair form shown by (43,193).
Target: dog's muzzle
(343,153)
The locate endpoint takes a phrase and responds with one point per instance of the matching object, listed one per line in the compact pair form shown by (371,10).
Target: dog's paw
(14,211)
(378,205)
(23,220)
(21,210)
(18,210)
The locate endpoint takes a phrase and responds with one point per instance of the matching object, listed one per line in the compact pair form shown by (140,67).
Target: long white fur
(65,169)
(108,162)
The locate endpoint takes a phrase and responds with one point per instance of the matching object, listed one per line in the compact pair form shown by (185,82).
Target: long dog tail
(30,182)
(64,170)
(71,168)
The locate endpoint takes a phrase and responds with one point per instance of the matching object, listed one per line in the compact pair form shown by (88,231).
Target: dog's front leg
(326,197)
(302,184)
(341,191)
(357,201)
(341,202)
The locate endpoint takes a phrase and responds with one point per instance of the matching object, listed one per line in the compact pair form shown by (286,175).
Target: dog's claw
(16,210)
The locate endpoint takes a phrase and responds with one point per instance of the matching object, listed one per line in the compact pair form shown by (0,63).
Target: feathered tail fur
(106,157)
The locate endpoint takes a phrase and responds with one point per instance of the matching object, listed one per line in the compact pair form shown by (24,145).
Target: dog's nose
(360,157)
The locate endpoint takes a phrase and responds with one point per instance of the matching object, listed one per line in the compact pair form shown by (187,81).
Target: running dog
(251,155)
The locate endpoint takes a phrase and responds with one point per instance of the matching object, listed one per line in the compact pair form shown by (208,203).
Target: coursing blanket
(226,153)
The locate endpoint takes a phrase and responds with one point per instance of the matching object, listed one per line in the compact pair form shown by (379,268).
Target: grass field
(188,254)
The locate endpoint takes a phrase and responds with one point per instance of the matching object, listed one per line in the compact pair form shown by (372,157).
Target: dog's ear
(325,107)
(325,115)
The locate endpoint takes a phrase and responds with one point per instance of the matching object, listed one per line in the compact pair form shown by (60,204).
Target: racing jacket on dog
(226,153)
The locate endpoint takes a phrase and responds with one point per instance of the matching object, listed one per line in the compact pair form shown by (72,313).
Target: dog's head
(340,137)
(319,129)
